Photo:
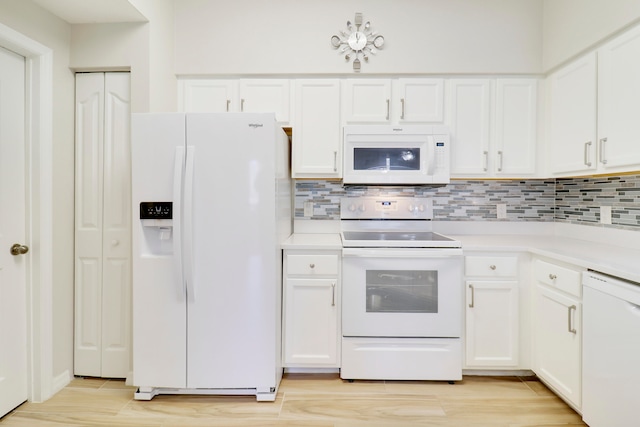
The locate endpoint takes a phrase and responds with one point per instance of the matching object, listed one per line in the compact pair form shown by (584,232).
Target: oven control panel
(386,207)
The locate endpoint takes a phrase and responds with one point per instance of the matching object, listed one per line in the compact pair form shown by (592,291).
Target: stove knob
(422,208)
(352,207)
(411,208)
(361,208)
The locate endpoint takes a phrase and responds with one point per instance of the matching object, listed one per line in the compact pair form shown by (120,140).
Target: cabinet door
(311,322)
(367,101)
(557,348)
(103,226)
(317,136)
(469,103)
(515,127)
(619,101)
(207,95)
(492,324)
(419,100)
(572,117)
(266,96)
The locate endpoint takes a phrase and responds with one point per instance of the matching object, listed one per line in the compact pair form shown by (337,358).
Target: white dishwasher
(610,351)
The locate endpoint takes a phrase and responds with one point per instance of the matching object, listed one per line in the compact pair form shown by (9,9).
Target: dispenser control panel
(156,210)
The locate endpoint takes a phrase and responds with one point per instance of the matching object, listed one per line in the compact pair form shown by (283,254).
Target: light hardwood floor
(318,400)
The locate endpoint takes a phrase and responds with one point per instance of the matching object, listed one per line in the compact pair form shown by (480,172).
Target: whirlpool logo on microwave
(255,125)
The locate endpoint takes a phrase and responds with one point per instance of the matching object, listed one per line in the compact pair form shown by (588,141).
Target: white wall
(41,26)
(146,49)
(571,27)
(421,36)
(108,47)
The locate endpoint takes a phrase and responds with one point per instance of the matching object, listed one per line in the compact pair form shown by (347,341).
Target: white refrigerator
(212,205)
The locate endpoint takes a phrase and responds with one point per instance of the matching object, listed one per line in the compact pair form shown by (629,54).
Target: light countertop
(313,241)
(606,258)
(612,259)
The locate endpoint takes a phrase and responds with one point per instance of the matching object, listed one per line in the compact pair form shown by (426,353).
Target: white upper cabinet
(207,95)
(367,101)
(594,108)
(572,117)
(469,112)
(493,127)
(317,129)
(266,96)
(386,101)
(243,95)
(515,126)
(419,100)
(619,102)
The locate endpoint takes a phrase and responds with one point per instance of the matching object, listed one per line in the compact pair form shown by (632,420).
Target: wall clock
(358,40)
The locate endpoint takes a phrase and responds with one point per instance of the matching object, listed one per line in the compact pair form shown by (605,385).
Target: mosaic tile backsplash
(575,200)
(578,200)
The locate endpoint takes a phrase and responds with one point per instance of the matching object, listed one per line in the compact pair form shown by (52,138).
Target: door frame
(39,171)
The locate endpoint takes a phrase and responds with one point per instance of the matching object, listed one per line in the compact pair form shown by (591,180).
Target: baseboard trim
(60,381)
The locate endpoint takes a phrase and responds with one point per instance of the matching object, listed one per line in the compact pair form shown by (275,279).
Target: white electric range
(401,292)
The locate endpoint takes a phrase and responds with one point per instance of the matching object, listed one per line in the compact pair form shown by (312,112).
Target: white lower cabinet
(557,326)
(492,335)
(311,327)
(492,324)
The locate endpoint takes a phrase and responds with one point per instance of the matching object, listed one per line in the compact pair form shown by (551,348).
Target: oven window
(402,291)
(386,159)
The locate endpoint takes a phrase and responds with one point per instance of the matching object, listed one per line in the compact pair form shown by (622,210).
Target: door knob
(18,249)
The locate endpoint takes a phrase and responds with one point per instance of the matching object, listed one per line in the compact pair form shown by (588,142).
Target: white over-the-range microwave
(396,155)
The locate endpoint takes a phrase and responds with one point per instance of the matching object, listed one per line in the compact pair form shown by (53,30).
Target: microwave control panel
(441,154)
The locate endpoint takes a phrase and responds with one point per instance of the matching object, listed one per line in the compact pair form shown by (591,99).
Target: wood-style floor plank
(314,400)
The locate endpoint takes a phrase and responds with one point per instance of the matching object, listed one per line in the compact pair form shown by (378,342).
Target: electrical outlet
(501,210)
(605,214)
(308,209)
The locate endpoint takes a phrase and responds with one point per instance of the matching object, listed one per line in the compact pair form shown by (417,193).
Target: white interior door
(13,334)
(103,226)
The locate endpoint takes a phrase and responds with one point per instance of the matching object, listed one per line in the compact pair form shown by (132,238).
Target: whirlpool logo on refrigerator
(255,125)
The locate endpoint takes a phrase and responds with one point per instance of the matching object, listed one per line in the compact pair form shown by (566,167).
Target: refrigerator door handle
(178,171)
(188,223)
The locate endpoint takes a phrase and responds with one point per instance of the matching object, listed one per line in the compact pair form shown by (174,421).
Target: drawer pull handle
(570,326)
(312,266)
(473,297)
(552,276)
(333,295)
(493,267)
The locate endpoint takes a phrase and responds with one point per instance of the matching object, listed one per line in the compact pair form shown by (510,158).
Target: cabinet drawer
(491,266)
(562,278)
(314,264)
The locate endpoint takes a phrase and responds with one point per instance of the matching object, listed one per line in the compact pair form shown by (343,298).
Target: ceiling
(92,11)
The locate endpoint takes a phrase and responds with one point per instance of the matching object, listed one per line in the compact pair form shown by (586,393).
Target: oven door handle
(401,252)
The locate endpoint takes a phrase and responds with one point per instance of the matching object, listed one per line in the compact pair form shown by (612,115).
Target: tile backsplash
(575,200)
(578,200)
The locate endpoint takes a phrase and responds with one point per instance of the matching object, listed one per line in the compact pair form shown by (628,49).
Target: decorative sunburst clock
(356,41)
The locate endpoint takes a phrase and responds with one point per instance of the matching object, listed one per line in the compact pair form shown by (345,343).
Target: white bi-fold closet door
(102,328)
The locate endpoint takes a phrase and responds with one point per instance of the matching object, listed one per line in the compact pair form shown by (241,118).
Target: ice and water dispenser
(156,219)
